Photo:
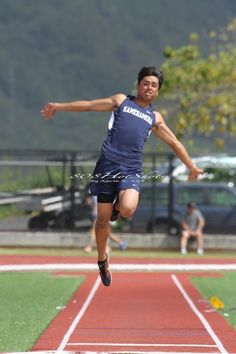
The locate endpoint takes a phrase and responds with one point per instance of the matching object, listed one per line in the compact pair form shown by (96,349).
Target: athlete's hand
(48,110)
(194,173)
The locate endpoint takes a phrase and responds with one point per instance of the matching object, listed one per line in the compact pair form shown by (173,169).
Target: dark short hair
(151,71)
(191,205)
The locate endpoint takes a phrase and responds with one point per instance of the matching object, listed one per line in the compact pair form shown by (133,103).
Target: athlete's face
(148,88)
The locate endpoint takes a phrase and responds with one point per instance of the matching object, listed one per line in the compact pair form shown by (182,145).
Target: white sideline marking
(116,352)
(44,352)
(117,267)
(199,315)
(145,345)
(79,316)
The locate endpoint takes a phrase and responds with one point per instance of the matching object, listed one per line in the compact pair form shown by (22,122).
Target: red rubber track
(35,259)
(38,259)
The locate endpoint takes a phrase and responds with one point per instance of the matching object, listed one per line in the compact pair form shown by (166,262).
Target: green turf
(115,253)
(28,303)
(224,288)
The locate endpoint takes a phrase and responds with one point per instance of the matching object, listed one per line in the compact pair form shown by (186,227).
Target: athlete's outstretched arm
(99,105)
(165,134)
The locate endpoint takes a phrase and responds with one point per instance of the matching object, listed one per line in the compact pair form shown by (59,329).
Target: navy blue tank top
(128,129)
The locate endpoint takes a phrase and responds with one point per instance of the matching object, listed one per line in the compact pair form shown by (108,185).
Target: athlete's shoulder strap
(131,97)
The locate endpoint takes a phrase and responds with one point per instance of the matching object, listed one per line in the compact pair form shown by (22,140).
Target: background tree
(201,89)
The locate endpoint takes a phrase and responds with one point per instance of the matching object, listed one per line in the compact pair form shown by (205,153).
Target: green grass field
(67,252)
(29,301)
(224,288)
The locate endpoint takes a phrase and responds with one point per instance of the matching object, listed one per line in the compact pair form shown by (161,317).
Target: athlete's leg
(128,201)
(128,194)
(125,204)
(102,228)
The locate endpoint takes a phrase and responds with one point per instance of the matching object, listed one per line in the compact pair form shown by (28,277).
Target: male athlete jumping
(117,175)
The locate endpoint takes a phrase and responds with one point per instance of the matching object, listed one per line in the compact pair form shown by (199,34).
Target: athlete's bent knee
(127,212)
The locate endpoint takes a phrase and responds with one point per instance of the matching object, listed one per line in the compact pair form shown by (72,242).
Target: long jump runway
(140,312)
(143,311)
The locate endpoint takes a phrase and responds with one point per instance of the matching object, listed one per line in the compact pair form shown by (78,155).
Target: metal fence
(46,189)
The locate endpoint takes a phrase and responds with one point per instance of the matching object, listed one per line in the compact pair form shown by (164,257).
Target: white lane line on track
(79,315)
(145,345)
(116,352)
(43,352)
(199,315)
(117,267)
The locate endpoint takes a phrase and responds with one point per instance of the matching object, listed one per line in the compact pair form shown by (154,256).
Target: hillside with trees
(200,89)
(60,50)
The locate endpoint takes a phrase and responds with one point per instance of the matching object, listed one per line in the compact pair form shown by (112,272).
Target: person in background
(92,202)
(192,224)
